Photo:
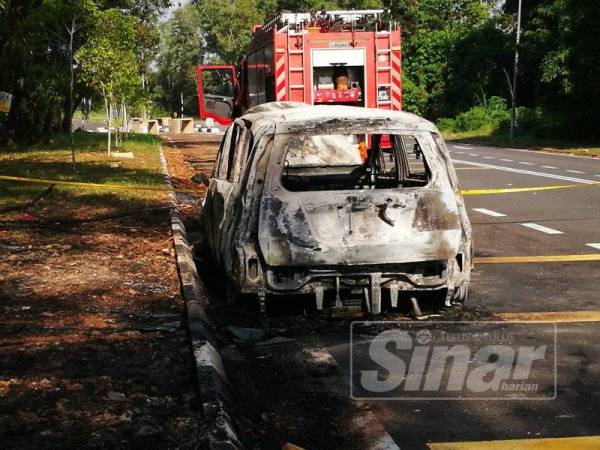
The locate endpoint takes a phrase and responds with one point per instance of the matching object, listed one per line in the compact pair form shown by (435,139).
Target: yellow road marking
(567,443)
(156,188)
(536,259)
(551,316)
(525,189)
(91,185)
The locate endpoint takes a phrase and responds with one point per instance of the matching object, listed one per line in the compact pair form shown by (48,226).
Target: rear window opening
(356,161)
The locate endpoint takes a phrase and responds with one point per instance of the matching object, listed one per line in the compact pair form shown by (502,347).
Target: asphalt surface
(543,223)
(522,288)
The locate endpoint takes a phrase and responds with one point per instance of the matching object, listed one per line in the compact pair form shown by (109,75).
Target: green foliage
(560,65)
(414,97)
(182,49)
(438,35)
(227,25)
(491,116)
(110,63)
(35,60)
(108,59)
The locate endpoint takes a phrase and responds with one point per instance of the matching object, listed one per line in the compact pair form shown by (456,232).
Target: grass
(53,162)
(502,139)
(93,116)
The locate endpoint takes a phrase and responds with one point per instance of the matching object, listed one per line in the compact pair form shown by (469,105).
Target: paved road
(538,223)
(555,230)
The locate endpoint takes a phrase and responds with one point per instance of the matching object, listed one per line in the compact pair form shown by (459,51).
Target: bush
(414,97)
(536,122)
(492,116)
(445,123)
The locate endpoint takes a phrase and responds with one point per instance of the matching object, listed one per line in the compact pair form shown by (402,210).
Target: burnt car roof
(293,116)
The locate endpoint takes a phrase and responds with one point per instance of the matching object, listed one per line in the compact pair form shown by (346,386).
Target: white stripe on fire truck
(280,77)
(396,92)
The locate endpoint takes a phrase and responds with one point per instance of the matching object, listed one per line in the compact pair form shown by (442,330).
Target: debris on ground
(245,334)
(92,347)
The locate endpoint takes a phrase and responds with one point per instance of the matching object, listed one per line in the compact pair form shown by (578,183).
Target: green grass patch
(93,116)
(53,162)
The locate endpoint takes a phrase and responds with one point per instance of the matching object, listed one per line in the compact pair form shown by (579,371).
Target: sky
(176,4)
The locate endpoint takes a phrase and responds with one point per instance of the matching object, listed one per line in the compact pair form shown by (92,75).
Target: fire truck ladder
(383,69)
(296,63)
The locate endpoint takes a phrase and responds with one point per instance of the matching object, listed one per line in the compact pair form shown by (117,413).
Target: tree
(148,39)
(182,49)
(35,63)
(68,19)
(434,33)
(227,25)
(560,64)
(109,61)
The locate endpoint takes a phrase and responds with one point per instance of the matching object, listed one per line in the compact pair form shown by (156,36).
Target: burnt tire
(461,294)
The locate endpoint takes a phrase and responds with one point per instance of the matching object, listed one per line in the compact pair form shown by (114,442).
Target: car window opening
(357,161)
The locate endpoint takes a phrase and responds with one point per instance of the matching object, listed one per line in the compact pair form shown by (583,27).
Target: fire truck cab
(329,57)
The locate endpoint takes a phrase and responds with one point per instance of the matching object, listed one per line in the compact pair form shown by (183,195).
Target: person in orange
(364,151)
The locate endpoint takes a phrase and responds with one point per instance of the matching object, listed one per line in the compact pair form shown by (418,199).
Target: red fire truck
(330,57)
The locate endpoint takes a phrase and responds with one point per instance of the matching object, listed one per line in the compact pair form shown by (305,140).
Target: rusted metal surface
(291,209)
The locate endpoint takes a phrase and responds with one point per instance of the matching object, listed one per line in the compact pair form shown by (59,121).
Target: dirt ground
(93,345)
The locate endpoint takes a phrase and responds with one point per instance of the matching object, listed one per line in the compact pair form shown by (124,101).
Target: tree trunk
(49,119)
(144,112)
(69,112)
(108,116)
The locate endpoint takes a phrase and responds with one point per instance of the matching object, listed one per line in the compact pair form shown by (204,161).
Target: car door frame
(220,188)
(226,231)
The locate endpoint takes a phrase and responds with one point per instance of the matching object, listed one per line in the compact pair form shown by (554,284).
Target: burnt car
(353,206)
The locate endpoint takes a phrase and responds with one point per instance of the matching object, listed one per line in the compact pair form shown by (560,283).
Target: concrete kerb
(213,386)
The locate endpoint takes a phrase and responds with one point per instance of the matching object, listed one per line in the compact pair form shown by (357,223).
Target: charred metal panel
(409,237)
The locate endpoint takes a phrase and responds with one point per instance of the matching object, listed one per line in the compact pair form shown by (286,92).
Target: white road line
(473,154)
(527,172)
(543,229)
(549,167)
(574,171)
(461,147)
(458,153)
(489,157)
(542,152)
(526,163)
(507,160)
(489,212)
(594,245)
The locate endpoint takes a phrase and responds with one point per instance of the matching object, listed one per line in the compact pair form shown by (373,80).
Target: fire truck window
(252,80)
(260,76)
(269,75)
(217,82)
(358,161)
(217,88)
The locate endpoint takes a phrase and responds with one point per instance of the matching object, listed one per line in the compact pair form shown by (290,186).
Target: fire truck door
(216,92)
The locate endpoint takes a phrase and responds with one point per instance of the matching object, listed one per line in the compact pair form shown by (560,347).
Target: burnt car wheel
(460,295)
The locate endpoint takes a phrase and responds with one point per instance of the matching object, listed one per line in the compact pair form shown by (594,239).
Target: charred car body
(347,204)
